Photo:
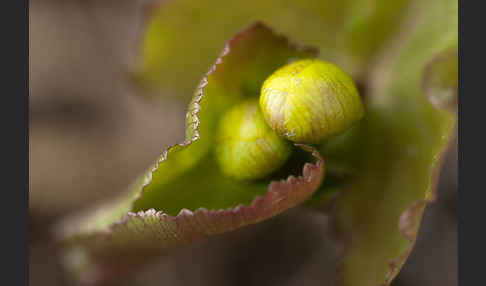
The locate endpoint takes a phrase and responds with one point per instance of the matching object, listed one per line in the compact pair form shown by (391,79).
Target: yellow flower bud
(310,100)
(247,148)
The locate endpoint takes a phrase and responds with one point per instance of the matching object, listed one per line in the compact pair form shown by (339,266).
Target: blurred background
(100,113)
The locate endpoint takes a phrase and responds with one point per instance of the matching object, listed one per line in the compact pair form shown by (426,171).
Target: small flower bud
(310,100)
(247,148)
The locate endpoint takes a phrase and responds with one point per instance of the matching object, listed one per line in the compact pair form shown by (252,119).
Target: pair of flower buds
(306,101)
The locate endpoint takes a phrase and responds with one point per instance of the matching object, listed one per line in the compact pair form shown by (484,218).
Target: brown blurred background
(92,131)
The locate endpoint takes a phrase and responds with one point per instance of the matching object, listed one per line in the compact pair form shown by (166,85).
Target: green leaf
(185,196)
(440,78)
(349,33)
(401,142)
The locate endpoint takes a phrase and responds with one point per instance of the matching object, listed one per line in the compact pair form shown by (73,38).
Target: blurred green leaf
(184,36)
(440,79)
(403,138)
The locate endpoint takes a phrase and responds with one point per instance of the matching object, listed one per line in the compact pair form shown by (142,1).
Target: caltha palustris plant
(259,128)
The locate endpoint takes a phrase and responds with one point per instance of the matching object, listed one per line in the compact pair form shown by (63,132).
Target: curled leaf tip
(259,25)
(440,79)
(409,220)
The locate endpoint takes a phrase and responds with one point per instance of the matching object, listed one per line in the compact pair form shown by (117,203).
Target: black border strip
(14,27)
